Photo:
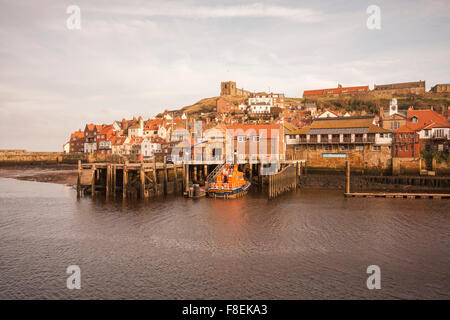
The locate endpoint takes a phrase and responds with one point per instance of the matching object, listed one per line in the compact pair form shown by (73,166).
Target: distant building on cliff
(445,87)
(229,88)
(416,87)
(334,92)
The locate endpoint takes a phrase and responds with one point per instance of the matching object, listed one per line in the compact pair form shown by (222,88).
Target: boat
(229,184)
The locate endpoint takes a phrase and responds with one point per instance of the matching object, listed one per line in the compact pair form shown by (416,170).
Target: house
(104,139)
(152,126)
(393,118)
(433,129)
(329,142)
(137,129)
(255,142)
(66,147)
(76,141)
(224,106)
(150,146)
(327,114)
(118,144)
(90,137)
(260,103)
(133,146)
(405,143)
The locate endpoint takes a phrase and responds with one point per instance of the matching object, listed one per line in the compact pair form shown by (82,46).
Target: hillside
(355,104)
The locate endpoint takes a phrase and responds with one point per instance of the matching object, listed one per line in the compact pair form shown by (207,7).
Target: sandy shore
(63,174)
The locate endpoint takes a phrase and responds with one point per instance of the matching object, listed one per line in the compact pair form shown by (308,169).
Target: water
(307,245)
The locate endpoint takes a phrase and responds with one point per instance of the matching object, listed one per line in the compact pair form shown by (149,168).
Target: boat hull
(229,193)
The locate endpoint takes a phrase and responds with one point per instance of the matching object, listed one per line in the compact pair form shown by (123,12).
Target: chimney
(339,85)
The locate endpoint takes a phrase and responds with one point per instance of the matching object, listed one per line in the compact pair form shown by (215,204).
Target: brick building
(405,143)
(76,141)
(335,92)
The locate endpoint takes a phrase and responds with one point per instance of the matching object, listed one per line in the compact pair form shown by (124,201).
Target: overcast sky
(134,57)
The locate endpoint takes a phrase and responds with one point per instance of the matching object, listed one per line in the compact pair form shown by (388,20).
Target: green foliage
(440,156)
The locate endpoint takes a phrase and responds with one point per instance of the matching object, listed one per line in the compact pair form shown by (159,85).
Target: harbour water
(308,244)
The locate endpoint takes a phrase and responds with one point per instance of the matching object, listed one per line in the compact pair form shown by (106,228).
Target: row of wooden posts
(285,180)
(142,179)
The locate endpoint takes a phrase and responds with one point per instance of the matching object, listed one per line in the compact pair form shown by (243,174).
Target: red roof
(404,129)
(425,118)
(77,134)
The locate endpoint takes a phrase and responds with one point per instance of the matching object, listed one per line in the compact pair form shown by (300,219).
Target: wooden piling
(79,179)
(93,174)
(114,180)
(175,173)
(186,185)
(166,179)
(347,180)
(155,177)
(125,179)
(142,178)
(108,180)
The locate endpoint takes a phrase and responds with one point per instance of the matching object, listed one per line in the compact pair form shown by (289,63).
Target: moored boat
(229,184)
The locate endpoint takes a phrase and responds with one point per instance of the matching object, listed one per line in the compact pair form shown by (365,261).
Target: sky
(138,58)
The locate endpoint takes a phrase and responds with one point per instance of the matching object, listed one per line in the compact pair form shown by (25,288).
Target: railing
(213,174)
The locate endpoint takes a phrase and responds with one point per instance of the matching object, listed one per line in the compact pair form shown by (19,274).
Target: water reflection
(308,244)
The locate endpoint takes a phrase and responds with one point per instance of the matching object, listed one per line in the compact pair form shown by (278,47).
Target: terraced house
(329,142)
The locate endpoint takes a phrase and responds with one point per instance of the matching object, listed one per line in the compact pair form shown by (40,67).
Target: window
(395,125)
(256,138)
(414,119)
(427,133)
(328,148)
(376,148)
(241,138)
(406,148)
(344,148)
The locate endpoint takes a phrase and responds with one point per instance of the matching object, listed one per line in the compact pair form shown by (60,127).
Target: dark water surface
(305,245)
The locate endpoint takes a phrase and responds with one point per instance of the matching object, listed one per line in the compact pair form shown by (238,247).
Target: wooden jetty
(134,180)
(401,195)
(149,179)
(398,195)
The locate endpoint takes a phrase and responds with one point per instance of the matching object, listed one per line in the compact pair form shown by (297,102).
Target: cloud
(251,10)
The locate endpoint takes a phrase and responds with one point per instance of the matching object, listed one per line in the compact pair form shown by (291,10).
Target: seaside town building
(77,141)
(335,92)
(229,88)
(329,142)
(433,129)
(393,118)
(440,88)
(405,143)
(90,137)
(403,88)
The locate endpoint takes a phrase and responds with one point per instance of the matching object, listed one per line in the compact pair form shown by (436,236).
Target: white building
(260,103)
(328,114)
(149,147)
